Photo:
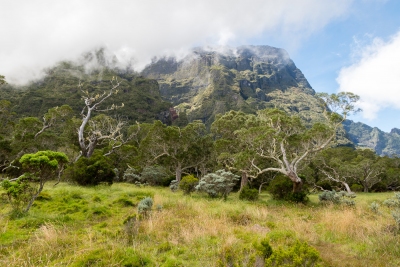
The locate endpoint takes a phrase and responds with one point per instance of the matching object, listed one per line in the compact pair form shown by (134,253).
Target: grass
(77,226)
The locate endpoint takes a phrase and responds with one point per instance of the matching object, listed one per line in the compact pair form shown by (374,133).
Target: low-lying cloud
(375,76)
(37,34)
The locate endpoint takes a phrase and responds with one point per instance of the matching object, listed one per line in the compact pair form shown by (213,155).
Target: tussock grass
(77,226)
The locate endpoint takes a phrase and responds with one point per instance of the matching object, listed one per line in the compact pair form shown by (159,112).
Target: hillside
(60,85)
(249,78)
(363,135)
(88,226)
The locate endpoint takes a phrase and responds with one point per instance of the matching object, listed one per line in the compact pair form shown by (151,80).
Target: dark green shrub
(356,188)
(250,194)
(281,188)
(92,171)
(188,184)
(379,187)
(326,185)
(264,248)
(218,184)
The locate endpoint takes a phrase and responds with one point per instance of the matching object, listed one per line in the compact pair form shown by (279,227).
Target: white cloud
(375,76)
(36,34)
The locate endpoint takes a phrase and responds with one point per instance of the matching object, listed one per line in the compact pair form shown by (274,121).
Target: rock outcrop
(248,78)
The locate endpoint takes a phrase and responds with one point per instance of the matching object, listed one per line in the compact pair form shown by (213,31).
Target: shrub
(248,194)
(18,193)
(300,254)
(374,207)
(356,188)
(218,184)
(281,188)
(154,175)
(174,185)
(93,171)
(188,184)
(131,176)
(144,206)
(334,197)
(379,187)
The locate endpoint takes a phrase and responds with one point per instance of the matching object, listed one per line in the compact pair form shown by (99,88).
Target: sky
(341,45)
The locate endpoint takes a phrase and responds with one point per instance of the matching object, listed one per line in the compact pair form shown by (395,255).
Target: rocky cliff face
(363,135)
(247,78)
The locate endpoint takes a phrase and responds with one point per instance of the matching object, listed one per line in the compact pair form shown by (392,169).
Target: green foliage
(298,255)
(145,205)
(281,188)
(356,188)
(394,204)
(92,171)
(264,248)
(154,175)
(131,176)
(250,194)
(18,193)
(218,184)
(374,207)
(334,197)
(188,184)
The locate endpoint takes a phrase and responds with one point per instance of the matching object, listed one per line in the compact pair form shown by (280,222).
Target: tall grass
(76,226)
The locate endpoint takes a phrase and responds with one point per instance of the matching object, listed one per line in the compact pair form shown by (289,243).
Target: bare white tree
(101,129)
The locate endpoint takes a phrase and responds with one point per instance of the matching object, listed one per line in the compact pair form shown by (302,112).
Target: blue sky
(347,45)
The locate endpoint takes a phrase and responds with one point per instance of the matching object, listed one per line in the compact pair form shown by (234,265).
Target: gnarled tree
(287,142)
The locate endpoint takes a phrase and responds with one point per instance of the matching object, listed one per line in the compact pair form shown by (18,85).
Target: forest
(284,192)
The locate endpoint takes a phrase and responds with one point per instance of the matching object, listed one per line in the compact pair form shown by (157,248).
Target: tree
(2,80)
(232,154)
(54,116)
(102,129)
(180,148)
(333,165)
(367,169)
(285,140)
(41,167)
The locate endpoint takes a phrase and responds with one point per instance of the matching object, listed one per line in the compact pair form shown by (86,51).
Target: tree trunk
(297,182)
(178,172)
(244,181)
(297,186)
(346,185)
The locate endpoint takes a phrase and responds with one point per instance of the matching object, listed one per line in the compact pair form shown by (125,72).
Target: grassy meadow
(77,226)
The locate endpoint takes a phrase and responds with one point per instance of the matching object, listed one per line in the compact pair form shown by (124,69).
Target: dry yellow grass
(193,231)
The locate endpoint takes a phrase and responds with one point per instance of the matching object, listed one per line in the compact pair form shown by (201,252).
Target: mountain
(365,136)
(248,78)
(60,85)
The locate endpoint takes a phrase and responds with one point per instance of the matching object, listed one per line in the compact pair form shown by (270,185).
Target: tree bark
(297,186)
(346,185)
(244,181)
(178,172)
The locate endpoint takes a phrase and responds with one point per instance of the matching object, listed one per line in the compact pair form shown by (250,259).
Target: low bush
(334,197)
(218,184)
(356,188)
(281,188)
(250,194)
(145,205)
(300,254)
(92,171)
(188,184)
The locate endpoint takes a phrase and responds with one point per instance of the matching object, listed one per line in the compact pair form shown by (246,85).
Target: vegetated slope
(140,96)
(249,78)
(363,135)
(77,226)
